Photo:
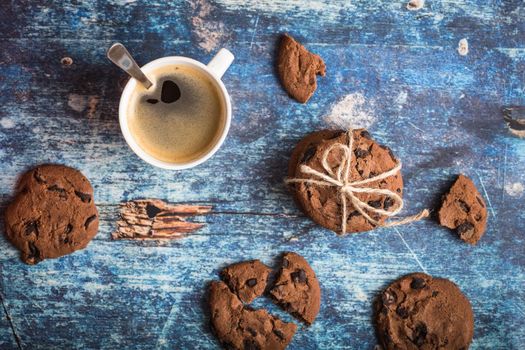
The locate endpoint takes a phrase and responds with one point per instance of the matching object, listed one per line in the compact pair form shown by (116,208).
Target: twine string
(348,190)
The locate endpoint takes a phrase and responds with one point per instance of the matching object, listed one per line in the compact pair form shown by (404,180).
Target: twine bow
(347,189)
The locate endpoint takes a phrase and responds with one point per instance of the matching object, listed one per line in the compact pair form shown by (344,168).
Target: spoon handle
(118,54)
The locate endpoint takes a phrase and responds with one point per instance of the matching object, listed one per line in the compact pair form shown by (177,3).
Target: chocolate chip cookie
(239,327)
(421,312)
(296,289)
(297,69)
(464,210)
(368,159)
(52,214)
(247,279)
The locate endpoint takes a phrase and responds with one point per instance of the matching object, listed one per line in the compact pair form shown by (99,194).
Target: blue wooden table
(396,71)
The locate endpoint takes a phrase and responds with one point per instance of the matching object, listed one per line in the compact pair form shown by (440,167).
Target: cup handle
(220,63)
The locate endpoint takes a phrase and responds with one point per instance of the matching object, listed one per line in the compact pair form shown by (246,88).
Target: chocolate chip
(387,337)
(375,204)
(61,192)
(152,211)
(435,293)
(34,253)
(69,228)
(417,283)
(298,276)
(389,202)
(361,153)
(286,263)
(353,214)
(308,192)
(279,333)
(251,282)
(30,227)
(152,101)
(398,190)
(84,197)
(170,92)
(250,344)
(39,178)
(252,331)
(402,312)
(480,202)
(388,298)
(465,230)
(464,206)
(365,134)
(308,154)
(89,221)
(420,334)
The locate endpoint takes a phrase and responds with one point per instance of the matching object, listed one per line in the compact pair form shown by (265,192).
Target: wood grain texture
(155,219)
(397,70)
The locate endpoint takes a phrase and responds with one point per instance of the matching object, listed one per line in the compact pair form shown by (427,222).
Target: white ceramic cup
(214,70)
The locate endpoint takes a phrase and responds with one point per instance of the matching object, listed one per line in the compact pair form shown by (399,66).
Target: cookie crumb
(463,47)
(414,5)
(66,61)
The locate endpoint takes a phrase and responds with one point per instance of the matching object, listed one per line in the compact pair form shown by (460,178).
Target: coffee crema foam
(179,131)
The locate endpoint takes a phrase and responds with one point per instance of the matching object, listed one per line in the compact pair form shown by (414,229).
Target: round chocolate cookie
(52,214)
(323,203)
(421,312)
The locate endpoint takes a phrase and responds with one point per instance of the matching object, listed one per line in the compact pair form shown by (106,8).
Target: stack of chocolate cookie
(238,326)
(323,203)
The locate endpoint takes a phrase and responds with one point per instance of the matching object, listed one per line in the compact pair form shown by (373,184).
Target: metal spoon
(118,54)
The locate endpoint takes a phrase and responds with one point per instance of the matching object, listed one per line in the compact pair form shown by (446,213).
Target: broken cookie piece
(464,210)
(239,327)
(247,279)
(297,69)
(296,289)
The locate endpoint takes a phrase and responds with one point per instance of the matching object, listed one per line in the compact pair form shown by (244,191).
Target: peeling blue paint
(438,111)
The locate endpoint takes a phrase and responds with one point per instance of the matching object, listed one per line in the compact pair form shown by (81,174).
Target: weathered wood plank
(396,71)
